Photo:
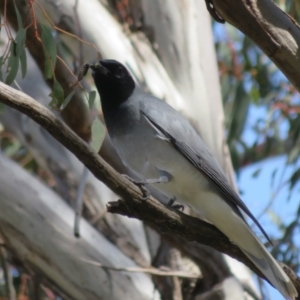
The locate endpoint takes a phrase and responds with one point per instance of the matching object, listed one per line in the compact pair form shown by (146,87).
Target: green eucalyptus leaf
(239,112)
(1,63)
(98,134)
(54,102)
(50,51)
(294,178)
(294,154)
(256,173)
(273,176)
(255,95)
(23,62)
(48,70)
(19,18)
(57,96)
(12,65)
(67,100)
(20,41)
(59,92)
(92,97)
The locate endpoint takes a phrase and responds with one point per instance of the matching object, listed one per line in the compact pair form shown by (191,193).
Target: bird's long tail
(219,213)
(265,262)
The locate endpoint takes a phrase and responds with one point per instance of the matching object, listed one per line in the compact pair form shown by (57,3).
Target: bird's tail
(219,213)
(265,262)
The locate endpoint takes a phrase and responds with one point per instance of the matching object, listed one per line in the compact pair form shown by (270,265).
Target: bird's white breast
(136,149)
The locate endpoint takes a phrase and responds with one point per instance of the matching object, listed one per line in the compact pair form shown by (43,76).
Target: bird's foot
(141,184)
(176,206)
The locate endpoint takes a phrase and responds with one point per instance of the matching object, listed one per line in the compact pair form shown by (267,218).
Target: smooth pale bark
(38,227)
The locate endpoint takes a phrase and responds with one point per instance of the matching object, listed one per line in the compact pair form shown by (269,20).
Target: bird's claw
(144,190)
(176,206)
(141,185)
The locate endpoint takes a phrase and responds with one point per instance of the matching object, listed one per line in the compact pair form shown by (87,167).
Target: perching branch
(167,221)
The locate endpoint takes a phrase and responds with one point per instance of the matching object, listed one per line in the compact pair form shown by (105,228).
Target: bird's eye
(119,73)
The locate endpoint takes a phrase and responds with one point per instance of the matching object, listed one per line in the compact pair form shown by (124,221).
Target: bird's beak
(98,68)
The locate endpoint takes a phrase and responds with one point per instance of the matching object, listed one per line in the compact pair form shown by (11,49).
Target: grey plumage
(154,140)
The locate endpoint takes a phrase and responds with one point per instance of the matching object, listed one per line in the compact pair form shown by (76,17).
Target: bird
(161,147)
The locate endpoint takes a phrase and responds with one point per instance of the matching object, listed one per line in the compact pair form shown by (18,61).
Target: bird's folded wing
(205,167)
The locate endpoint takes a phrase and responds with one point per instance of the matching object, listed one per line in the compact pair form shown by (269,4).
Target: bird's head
(113,81)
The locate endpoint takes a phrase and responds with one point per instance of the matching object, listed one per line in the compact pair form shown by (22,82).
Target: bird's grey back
(178,126)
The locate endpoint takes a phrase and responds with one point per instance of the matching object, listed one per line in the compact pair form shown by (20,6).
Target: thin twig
(79,201)
(98,217)
(150,270)
(280,186)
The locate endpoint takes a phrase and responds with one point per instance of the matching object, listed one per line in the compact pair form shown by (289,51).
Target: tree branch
(269,148)
(166,221)
(273,30)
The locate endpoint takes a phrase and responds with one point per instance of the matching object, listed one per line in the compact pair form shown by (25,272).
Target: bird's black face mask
(113,81)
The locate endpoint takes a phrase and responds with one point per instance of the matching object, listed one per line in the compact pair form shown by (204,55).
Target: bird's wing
(200,158)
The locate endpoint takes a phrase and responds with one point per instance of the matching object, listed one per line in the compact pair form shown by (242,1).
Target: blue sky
(258,191)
